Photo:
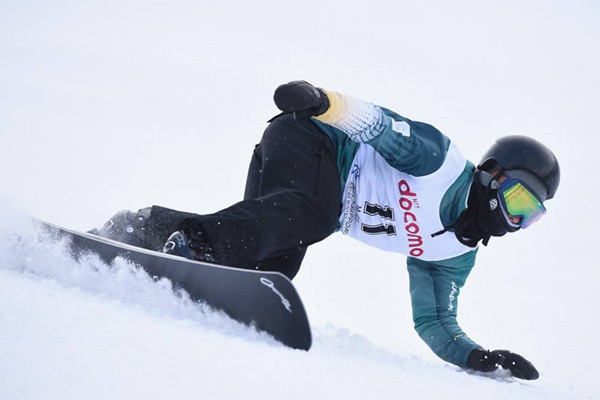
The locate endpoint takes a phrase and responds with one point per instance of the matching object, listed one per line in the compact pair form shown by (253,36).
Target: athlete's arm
(434,290)
(413,147)
(409,146)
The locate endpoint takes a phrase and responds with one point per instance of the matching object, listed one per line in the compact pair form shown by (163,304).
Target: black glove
(487,361)
(302,99)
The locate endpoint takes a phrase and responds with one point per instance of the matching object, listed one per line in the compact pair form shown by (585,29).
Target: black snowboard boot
(195,246)
(126,227)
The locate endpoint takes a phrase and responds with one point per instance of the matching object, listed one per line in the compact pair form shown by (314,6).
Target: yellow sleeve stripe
(337,108)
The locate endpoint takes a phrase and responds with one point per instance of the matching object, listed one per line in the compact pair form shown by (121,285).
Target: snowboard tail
(264,299)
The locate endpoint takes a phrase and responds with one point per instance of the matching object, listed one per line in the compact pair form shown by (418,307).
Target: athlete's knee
(322,215)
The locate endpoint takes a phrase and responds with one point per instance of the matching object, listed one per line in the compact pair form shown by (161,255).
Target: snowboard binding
(126,226)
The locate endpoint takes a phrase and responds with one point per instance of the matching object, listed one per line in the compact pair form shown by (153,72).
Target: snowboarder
(331,162)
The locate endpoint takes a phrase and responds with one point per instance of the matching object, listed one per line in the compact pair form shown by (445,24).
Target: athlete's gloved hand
(487,361)
(302,99)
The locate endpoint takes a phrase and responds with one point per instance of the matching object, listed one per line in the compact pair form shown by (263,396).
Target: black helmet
(529,160)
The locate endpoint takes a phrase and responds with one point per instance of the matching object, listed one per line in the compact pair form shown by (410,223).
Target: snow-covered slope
(122,104)
(88,330)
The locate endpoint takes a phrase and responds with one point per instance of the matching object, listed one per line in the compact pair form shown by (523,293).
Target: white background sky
(107,105)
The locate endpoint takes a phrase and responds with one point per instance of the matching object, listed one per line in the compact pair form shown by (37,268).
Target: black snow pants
(292,200)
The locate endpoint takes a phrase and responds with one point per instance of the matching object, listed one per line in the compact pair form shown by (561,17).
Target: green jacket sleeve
(413,147)
(419,150)
(434,290)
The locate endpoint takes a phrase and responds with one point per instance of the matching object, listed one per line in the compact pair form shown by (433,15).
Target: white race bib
(398,212)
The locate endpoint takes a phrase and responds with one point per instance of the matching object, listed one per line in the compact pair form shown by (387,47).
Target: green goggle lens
(521,202)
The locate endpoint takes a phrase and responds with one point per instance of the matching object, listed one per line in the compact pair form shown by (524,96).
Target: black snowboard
(266,300)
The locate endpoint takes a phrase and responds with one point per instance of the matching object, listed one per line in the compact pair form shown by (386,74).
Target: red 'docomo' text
(411,225)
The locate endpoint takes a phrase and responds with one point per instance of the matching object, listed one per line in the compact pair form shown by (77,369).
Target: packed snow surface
(90,330)
(110,105)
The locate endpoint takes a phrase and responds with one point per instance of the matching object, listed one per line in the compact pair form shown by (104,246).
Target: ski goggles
(519,201)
